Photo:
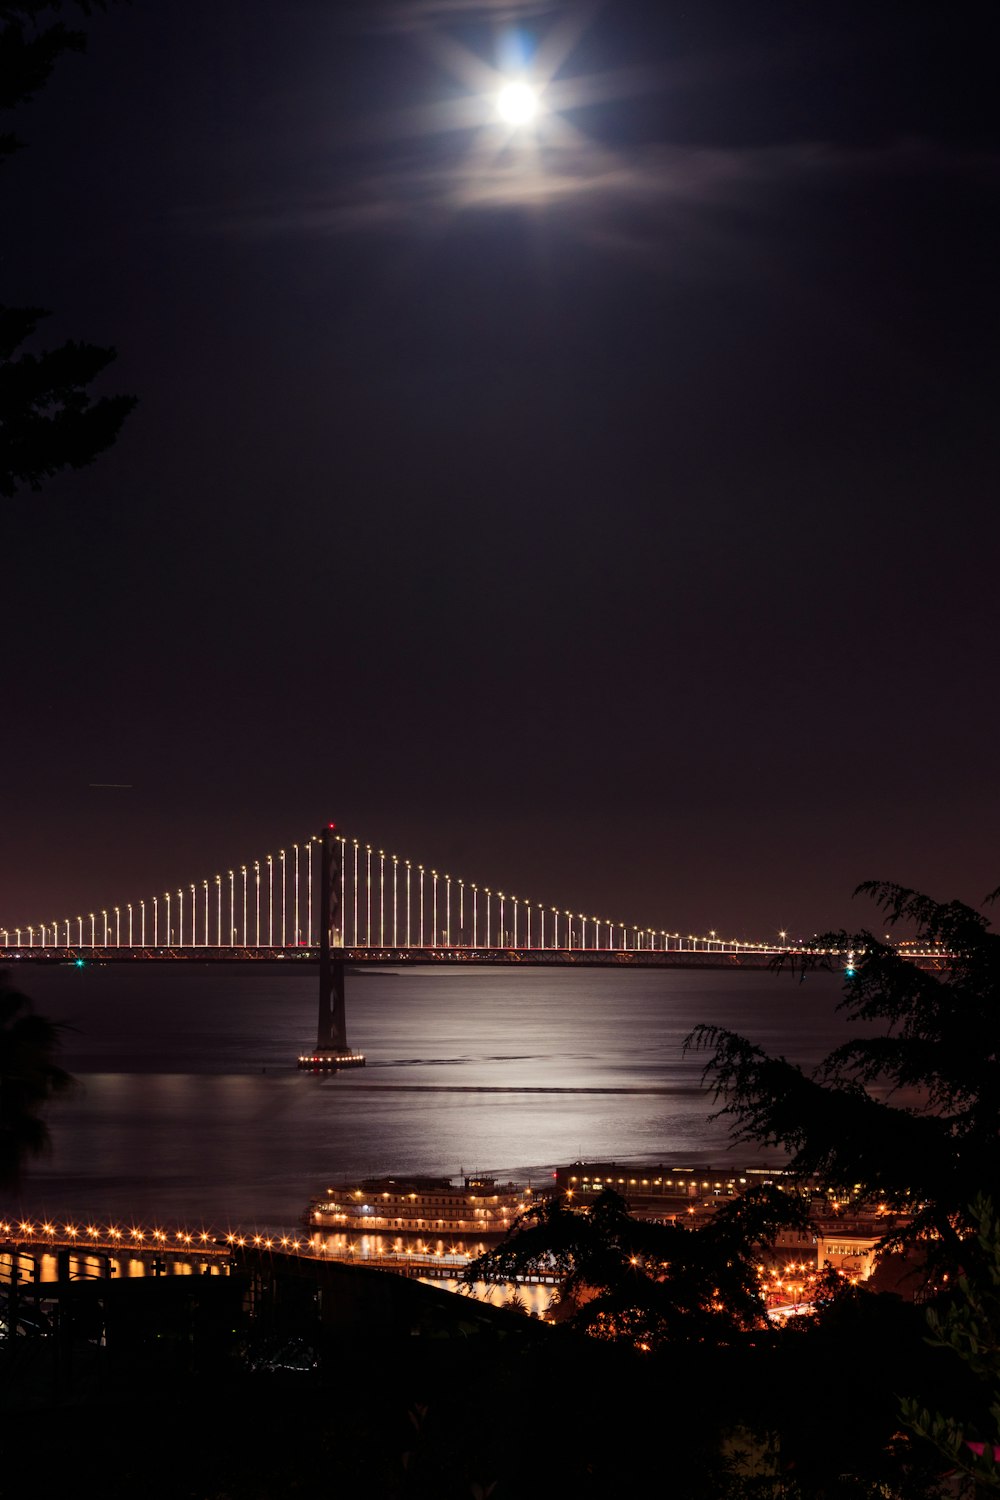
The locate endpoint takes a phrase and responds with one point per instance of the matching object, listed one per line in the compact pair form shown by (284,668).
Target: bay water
(189,1107)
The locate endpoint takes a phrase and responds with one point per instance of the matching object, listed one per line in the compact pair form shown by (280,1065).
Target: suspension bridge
(339,902)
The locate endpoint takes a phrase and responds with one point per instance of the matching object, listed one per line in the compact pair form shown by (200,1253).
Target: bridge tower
(331,1050)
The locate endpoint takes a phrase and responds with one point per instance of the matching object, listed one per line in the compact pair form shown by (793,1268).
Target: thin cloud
(423,15)
(589,186)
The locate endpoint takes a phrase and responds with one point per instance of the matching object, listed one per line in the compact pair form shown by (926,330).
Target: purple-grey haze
(609,516)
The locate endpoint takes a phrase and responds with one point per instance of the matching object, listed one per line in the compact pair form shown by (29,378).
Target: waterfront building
(429,1227)
(660,1192)
(842,1234)
(400,1221)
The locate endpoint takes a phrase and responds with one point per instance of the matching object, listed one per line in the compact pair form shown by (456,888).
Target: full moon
(517,103)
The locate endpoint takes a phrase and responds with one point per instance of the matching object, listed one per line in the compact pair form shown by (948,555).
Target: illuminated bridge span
(337,901)
(272,906)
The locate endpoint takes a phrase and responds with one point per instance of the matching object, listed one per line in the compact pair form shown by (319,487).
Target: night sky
(608,513)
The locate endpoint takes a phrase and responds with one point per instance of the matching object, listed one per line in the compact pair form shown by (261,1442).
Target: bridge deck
(701,955)
(722,956)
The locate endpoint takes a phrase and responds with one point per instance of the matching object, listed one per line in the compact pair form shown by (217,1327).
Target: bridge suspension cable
(400,905)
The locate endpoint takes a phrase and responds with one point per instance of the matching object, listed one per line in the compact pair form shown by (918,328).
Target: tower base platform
(326,1060)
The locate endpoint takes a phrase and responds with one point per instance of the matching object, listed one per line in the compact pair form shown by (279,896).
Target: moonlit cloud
(420,15)
(603,197)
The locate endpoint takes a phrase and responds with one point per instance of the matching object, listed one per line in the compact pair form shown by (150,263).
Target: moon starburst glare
(517,103)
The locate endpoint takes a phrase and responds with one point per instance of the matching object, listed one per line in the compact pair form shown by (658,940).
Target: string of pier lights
(794,1282)
(92,1236)
(387,902)
(136,1238)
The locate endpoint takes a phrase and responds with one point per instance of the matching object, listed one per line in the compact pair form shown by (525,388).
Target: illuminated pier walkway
(41,1252)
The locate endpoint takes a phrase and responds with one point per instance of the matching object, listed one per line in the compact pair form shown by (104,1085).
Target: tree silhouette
(29,50)
(910,1117)
(29,1078)
(48,420)
(641,1282)
(967,1323)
